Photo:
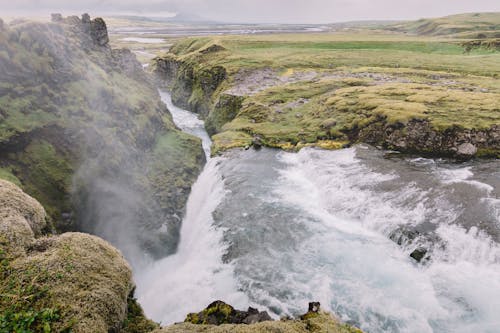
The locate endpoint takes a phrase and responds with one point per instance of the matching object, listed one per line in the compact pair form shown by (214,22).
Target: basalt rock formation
(83,130)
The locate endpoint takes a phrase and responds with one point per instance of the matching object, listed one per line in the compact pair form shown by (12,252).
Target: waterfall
(276,230)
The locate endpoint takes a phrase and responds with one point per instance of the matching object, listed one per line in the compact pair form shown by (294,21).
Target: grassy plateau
(329,89)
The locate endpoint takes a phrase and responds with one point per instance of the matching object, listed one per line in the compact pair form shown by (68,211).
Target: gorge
(295,173)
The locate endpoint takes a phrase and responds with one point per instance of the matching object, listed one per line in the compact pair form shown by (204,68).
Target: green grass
(357,79)
(6,174)
(461,25)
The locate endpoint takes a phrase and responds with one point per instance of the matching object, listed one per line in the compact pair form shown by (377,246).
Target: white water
(195,275)
(364,276)
(315,225)
(188,122)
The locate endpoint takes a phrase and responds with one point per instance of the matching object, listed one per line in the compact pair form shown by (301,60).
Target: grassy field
(316,89)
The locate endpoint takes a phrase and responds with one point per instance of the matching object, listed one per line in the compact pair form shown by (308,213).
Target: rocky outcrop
(73,282)
(84,132)
(219,317)
(418,136)
(218,313)
(225,110)
(192,88)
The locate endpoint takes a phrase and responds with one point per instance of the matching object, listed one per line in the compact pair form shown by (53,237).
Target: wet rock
(313,311)
(466,150)
(99,32)
(419,254)
(257,142)
(218,313)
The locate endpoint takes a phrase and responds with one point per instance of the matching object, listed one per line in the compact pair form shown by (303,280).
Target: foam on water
(372,282)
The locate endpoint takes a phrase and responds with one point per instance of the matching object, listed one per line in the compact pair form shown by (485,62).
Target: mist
(258,11)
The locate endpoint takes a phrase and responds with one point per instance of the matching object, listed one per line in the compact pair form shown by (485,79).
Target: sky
(256,11)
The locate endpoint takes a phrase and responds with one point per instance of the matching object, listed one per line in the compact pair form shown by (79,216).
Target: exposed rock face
(191,88)
(84,132)
(99,31)
(78,281)
(419,136)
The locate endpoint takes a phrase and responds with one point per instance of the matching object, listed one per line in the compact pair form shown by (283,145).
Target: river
(276,230)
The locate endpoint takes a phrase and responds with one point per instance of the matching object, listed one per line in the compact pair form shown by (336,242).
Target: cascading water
(195,275)
(277,230)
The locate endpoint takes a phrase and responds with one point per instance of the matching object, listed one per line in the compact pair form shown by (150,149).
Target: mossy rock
(73,282)
(321,323)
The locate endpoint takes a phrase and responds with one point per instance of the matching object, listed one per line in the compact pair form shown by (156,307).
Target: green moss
(50,181)
(488,152)
(6,173)
(320,323)
(136,321)
(193,318)
(224,111)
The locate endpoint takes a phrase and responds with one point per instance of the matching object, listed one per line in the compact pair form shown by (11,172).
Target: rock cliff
(83,130)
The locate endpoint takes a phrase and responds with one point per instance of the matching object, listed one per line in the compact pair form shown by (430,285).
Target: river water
(276,230)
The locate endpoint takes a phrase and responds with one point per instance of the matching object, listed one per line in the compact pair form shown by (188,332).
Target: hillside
(470,25)
(83,130)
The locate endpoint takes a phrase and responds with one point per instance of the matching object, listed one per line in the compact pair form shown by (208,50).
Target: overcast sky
(259,11)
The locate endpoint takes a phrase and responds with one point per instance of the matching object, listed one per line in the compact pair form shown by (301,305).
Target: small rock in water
(419,254)
(257,142)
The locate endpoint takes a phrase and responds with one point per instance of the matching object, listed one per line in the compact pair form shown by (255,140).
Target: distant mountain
(179,18)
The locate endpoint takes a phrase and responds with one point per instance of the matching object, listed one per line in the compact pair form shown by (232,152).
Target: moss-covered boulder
(83,130)
(72,282)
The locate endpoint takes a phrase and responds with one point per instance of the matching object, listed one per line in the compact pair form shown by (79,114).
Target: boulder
(418,254)
(466,150)
(74,282)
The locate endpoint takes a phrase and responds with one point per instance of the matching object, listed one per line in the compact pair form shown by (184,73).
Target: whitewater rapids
(276,230)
